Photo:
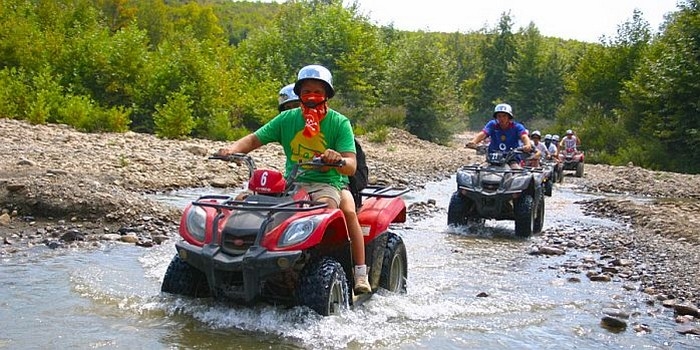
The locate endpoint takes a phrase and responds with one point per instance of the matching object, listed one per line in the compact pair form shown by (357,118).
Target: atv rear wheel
(183,279)
(539,217)
(579,170)
(394,266)
(323,287)
(457,211)
(524,216)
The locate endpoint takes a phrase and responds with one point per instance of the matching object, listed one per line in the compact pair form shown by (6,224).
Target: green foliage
(174,118)
(13,94)
(419,79)
(379,135)
(661,100)
(212,68)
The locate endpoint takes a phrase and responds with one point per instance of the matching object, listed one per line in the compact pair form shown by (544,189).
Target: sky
(584,20)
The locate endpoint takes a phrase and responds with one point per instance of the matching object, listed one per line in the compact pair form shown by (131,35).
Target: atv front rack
(227,202)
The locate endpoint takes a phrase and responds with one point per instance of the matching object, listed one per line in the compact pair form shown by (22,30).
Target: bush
(174,119)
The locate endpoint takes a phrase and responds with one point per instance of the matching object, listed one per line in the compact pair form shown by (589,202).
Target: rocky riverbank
(59,187)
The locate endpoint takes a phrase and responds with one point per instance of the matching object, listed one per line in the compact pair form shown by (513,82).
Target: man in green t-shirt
(314,130)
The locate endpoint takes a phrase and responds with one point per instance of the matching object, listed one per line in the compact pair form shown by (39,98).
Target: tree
(497,52)
(662,110)
(420,79)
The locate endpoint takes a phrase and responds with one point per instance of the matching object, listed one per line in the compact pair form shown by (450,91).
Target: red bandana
(314,109)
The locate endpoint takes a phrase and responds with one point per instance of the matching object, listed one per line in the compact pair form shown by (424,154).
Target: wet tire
(539,216)
(183,279)
(560,173)
(457,211)
(323,287)
(579,170)
(548,186)
(524,216)
(395,265)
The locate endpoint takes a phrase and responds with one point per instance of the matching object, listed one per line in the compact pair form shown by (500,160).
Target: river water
(109,298)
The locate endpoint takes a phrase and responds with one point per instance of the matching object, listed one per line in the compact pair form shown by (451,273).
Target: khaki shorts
(321,190)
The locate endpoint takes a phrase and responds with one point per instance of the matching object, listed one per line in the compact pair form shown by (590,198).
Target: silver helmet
(503,108)
(286,95)
(315,72)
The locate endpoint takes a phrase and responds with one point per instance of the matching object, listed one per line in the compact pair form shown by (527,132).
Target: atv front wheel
(524,216)
(183,279)
(539,217)
(560,173)
(394,266)
(457,211)
(323,287)
(579,170)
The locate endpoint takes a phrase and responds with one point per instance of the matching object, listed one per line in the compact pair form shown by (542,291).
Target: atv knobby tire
(579,170)
(457,211)
(560,173)
(183,279)
(524,216)
(395,265)
(539,216)
(323,287)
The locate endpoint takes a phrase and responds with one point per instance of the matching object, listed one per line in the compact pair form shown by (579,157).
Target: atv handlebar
(238,158)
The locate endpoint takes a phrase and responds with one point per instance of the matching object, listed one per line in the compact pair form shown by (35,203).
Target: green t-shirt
(287,129)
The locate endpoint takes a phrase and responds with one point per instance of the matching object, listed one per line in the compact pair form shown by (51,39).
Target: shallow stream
(110,298)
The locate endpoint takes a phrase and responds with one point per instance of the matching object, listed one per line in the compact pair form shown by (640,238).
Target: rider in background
(555,142)
(551,146)
(541,151)
(570,141)
(314,130)
(504,133)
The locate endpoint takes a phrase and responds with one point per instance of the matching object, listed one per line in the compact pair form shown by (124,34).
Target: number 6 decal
(263,179)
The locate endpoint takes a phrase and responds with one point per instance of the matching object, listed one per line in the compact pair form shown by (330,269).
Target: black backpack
(359,181)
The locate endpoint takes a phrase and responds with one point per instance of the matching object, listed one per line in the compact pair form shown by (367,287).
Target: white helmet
(503,108)
(315,72)
(569,132)
(536,133)
(555,138)
(286,95)
(548,137)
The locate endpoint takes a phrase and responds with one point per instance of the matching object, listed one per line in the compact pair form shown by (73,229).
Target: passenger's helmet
(569,132)
(503,108)
(537,133)
(548,137)
(315,72)
(287,95)
(555,138)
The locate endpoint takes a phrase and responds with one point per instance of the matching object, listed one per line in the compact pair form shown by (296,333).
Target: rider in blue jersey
(505,133)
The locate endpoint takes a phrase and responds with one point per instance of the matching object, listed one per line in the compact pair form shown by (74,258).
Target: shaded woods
(211,69)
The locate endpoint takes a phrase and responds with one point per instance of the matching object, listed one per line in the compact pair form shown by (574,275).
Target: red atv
(279,246)
(570,159)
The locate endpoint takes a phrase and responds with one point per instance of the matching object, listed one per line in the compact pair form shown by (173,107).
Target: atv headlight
(196,222)
(464,179)
(300,230)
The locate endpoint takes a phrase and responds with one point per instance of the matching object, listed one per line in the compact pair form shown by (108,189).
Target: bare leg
(347,205)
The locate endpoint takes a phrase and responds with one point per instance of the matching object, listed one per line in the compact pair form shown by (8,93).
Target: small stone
(686,309)
(613,324)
